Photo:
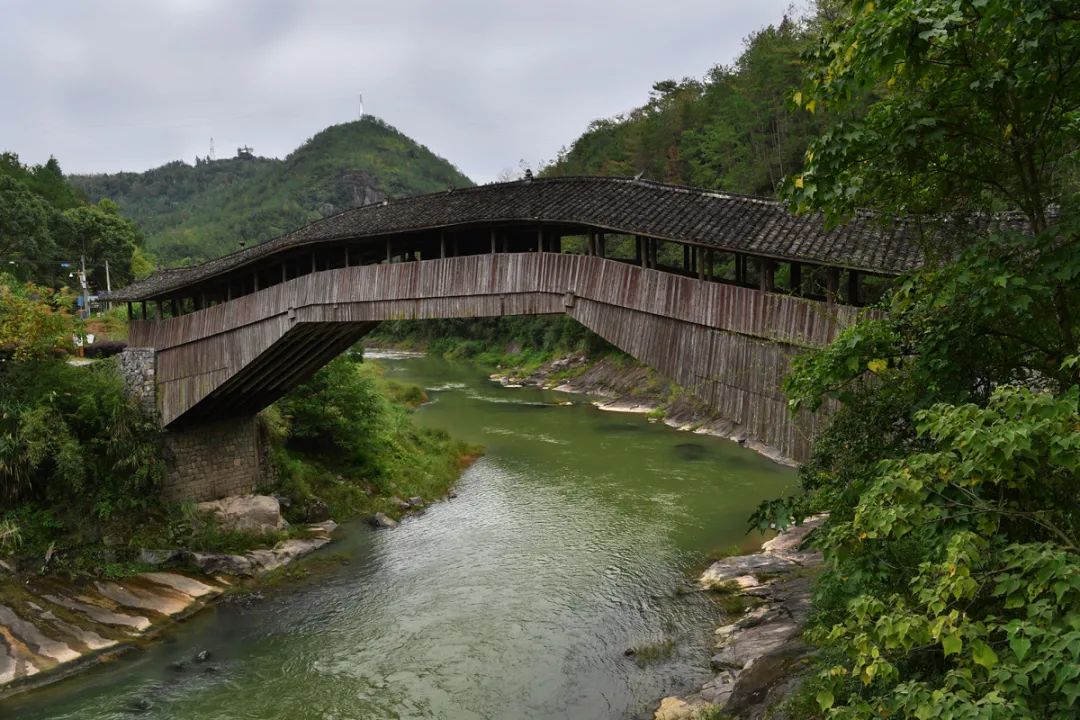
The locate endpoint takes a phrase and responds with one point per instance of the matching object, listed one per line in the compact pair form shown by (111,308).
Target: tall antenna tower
(361,115)
(212,155)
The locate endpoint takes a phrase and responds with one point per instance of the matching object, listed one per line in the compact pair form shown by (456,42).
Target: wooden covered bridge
(716,291)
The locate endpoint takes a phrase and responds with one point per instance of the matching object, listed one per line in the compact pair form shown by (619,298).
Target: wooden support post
(591,250)
(686,260)
(313,268)
(131,312)
(832,284)
(202,301)
(442,245)
(346,256)
(389,259)
(601,246)
(853,287)
(539,239)
(700,253)
(766,275)
(796,278)
(143,303)
(256,281)
(640,256)
(740,269)
(709,263)
(493,242)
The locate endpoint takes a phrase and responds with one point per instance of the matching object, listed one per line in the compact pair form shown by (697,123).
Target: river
(567,544)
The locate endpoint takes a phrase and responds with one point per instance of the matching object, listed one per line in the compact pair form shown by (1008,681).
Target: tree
(34,320)
(978,108)
(951,469)
(100,233)
(24,227)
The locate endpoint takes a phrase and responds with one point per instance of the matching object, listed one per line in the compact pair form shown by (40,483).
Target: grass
(653,652)
(730,597)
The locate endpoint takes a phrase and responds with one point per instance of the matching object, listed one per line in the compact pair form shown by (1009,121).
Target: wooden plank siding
(729,345)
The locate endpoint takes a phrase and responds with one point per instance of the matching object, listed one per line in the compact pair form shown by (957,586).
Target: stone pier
(209,461)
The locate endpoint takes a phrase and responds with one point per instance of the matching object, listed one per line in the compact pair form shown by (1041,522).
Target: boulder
(675,708)
(382,520)
(323,529)
(736,569)
(157,558)
(248,513)
(221,564)
(768,679)
(316,511)
(415,501)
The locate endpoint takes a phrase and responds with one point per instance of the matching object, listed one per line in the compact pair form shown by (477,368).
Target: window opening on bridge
(788,277)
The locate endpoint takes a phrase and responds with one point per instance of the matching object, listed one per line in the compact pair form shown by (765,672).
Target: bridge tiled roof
(727,222)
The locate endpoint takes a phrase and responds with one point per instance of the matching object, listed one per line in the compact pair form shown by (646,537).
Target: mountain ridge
(190,213)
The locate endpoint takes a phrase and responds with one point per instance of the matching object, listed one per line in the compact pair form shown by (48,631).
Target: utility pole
(108,286)
(85,288)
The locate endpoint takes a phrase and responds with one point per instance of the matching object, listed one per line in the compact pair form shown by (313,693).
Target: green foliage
(733,131)
(978,105)
(24,224)
(651,653)
(336,412)
(348,439)
(34,321)
(968,561)
(519,341)
(100,234)
(71,435)
(10,535)
(46,230)
(45,181)
(194,213)
(950,468)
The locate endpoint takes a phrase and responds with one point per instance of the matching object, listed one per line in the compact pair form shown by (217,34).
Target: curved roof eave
(710,219)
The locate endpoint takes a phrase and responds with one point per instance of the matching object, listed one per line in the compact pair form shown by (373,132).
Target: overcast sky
(128,85)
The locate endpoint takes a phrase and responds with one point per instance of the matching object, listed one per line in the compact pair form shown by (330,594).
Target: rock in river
(382,520)
(251,513)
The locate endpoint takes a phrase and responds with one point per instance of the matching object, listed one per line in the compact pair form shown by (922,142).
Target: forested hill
(190,213)
(736,130)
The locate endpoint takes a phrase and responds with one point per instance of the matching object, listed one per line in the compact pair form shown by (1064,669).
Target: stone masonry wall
(208,461)
(138,366)
(213,460)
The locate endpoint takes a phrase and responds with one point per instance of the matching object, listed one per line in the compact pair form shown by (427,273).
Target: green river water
(566,544)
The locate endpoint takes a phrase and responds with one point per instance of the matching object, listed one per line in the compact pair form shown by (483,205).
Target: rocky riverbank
(51,628)
(632,387)
(759,654)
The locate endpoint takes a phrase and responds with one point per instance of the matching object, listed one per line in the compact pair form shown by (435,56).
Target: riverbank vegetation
(345,440)
(81,464)
(518,343)
(952,470)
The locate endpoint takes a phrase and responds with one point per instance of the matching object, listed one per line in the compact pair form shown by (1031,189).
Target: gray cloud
(128,85)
